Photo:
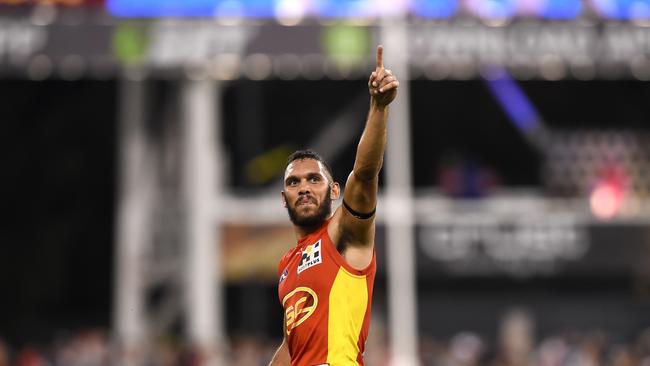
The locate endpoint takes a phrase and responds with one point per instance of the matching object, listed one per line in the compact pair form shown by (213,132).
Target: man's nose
(304,187)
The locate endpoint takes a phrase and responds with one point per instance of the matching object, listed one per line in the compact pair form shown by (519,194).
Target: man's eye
(292,182)
(314,179)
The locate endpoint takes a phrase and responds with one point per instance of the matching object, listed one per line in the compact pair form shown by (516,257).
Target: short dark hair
(309,154)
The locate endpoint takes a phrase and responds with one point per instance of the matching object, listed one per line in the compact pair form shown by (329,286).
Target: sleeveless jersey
(326,303)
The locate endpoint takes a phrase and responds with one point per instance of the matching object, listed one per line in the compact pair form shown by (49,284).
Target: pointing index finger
(380,56)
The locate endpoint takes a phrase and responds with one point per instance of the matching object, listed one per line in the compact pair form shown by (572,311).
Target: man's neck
(302,231)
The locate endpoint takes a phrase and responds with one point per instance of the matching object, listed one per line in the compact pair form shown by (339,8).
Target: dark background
(59,145)
(58,150)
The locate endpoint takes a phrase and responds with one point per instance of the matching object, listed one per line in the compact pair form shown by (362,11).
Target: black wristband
(359,215)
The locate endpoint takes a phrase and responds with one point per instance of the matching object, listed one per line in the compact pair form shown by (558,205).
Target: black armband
(359,215)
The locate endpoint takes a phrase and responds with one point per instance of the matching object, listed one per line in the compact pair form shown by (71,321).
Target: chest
(310,267)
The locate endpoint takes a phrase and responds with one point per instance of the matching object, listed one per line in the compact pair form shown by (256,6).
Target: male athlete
(326,281)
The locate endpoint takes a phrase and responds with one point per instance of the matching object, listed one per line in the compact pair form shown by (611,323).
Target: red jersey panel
(326,303)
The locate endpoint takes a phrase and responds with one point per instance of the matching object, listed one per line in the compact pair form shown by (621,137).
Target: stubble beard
(314,221)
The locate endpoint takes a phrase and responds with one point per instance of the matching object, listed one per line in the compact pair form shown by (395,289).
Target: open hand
(382,84)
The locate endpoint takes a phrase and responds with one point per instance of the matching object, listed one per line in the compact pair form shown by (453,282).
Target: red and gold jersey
(326,303)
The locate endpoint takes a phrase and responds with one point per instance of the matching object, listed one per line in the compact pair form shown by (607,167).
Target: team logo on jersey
(284,275)
(299,305)
(311,256)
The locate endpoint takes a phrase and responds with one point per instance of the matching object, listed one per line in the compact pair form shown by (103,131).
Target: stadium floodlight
(560,9)
(623,9)
(435,9)
(492,9)
(192,8)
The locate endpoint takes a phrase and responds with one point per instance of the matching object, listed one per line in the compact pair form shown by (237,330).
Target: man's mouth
(305,201)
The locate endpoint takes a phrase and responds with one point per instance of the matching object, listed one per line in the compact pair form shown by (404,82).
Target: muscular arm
(370,152)
(281,357)
(362,184)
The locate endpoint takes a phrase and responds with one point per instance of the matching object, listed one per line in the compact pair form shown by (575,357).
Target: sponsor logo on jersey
(311,256)
(299,305)
(284,275)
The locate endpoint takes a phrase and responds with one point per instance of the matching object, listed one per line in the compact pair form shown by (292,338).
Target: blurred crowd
(512,347)
(569,349)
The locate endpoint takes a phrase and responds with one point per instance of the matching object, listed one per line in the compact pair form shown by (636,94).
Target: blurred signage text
(20,40)
(450,49)
(173,44)
(517,247)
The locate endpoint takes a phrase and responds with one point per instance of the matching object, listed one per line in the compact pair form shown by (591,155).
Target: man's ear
(336,191)
(284,199)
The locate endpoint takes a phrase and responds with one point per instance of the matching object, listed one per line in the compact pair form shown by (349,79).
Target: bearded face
(309,217)
(307,193)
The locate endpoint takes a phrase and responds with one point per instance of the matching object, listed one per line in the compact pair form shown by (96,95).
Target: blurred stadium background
(143,143)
